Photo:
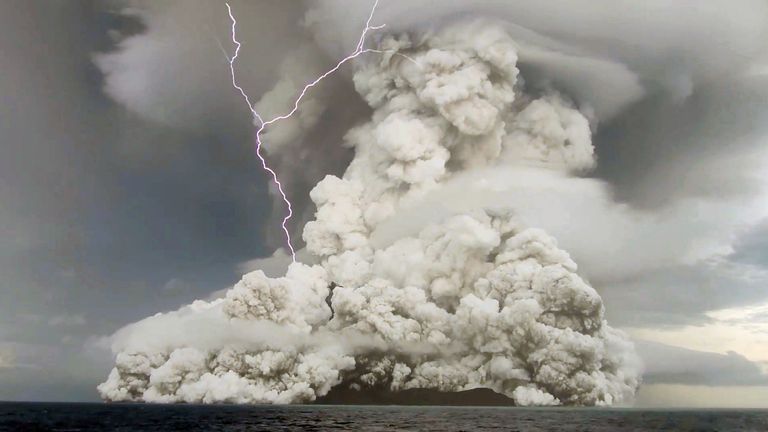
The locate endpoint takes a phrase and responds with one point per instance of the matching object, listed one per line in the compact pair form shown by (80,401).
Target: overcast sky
(128,183)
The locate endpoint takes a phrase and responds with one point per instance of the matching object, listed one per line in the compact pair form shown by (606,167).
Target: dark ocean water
(102,417)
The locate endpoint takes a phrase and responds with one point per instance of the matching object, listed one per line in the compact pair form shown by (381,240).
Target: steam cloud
(475,299)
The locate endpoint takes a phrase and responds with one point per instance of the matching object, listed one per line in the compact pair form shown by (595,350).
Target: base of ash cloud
(344,395)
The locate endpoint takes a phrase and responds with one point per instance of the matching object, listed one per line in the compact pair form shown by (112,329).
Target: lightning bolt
(359,49)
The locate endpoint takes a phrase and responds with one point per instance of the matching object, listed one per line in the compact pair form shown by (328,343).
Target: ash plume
(475,299)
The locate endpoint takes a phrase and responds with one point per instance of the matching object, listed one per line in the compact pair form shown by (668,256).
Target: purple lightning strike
(359,49)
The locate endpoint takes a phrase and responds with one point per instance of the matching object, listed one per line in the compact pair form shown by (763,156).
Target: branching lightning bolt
(359,49)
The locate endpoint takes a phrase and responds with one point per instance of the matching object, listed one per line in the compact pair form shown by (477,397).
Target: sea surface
(71,417)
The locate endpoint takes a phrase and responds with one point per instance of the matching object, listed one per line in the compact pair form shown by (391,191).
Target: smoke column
(478,299)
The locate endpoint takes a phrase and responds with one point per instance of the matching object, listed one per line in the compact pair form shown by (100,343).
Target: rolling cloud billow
(479,298)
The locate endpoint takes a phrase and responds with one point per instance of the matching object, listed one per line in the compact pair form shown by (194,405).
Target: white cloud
(610,241)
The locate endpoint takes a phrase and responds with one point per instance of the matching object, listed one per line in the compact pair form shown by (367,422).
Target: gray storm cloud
(474,299)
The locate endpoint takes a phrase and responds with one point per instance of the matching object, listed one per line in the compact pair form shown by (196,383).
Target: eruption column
(263,124)
(462,298)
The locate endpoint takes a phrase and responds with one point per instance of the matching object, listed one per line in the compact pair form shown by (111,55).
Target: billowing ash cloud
(477,298)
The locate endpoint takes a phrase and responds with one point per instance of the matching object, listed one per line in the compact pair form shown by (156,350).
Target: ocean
(70,417)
